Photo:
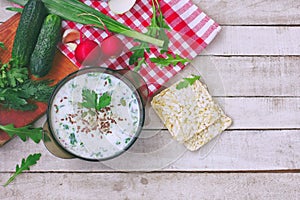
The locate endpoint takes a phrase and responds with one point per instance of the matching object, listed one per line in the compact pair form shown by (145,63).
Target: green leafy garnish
(72,138)
(26,163)
(156,29)
(138,53)
(17,91)
(92,100)
(170,60)
(15,9)
(186,82)
(11,74)
(127,140)
(103,101)
(37,90)
(89,98)
(2,45)
(21,96)
(25,132)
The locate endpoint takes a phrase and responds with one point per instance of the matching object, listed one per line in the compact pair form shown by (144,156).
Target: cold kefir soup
(95,115)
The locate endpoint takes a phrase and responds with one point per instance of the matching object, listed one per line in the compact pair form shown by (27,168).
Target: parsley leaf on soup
(92,100)
(103,101)
(89,98)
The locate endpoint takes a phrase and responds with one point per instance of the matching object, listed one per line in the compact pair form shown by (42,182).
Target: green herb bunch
(18,91)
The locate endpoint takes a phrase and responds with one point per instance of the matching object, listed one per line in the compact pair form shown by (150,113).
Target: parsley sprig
(25,164)
(11,74)
(21,97)
(17,91)
(92,100)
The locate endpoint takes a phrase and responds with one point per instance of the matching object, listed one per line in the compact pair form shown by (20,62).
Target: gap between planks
(277,171)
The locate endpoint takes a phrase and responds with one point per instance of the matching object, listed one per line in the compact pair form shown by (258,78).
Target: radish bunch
(89,52)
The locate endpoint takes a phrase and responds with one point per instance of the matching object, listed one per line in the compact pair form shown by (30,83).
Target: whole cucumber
(42,57)
(28,30)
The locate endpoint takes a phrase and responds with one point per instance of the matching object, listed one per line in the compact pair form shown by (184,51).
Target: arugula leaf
(25,132)
(163,26)
(138,53)
(139,64)
(91,99)
(2,45)
(14,9)
(25,164)
(186,82)
(156,29)
(182,84)
(163,36)
(103,101)
(170,60)
(160,19)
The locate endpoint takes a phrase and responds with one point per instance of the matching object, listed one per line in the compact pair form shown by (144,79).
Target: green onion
(74,10)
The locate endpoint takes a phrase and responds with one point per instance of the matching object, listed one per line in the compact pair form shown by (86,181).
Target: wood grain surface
(137,186)
(234,150)
(255,12)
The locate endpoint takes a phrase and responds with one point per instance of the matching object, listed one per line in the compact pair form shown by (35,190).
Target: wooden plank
(5,14)
(156,150)
(255,12)
(250,113)
(231,12)
(153,186)
(246,76)
(255,40)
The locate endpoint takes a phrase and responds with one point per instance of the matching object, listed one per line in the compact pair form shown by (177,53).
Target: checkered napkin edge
(192,30)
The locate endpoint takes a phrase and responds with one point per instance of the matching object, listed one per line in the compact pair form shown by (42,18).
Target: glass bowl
(95,114)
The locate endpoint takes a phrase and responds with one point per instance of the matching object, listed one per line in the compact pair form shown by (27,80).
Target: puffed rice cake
(190,114)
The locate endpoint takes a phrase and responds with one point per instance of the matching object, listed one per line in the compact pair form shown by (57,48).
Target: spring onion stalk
(74,10)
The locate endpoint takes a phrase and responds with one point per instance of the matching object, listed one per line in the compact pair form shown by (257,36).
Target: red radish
(112,46)
(88,52)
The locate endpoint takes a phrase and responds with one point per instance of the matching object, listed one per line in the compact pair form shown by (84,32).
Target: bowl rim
(114,73)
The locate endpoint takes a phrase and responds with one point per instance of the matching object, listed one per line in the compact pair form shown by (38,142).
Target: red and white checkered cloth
(192,30)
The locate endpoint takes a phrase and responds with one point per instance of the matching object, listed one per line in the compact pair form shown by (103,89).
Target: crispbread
(187,111)
(203,137)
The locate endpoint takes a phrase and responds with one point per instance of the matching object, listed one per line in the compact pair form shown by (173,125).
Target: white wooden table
(253,70)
